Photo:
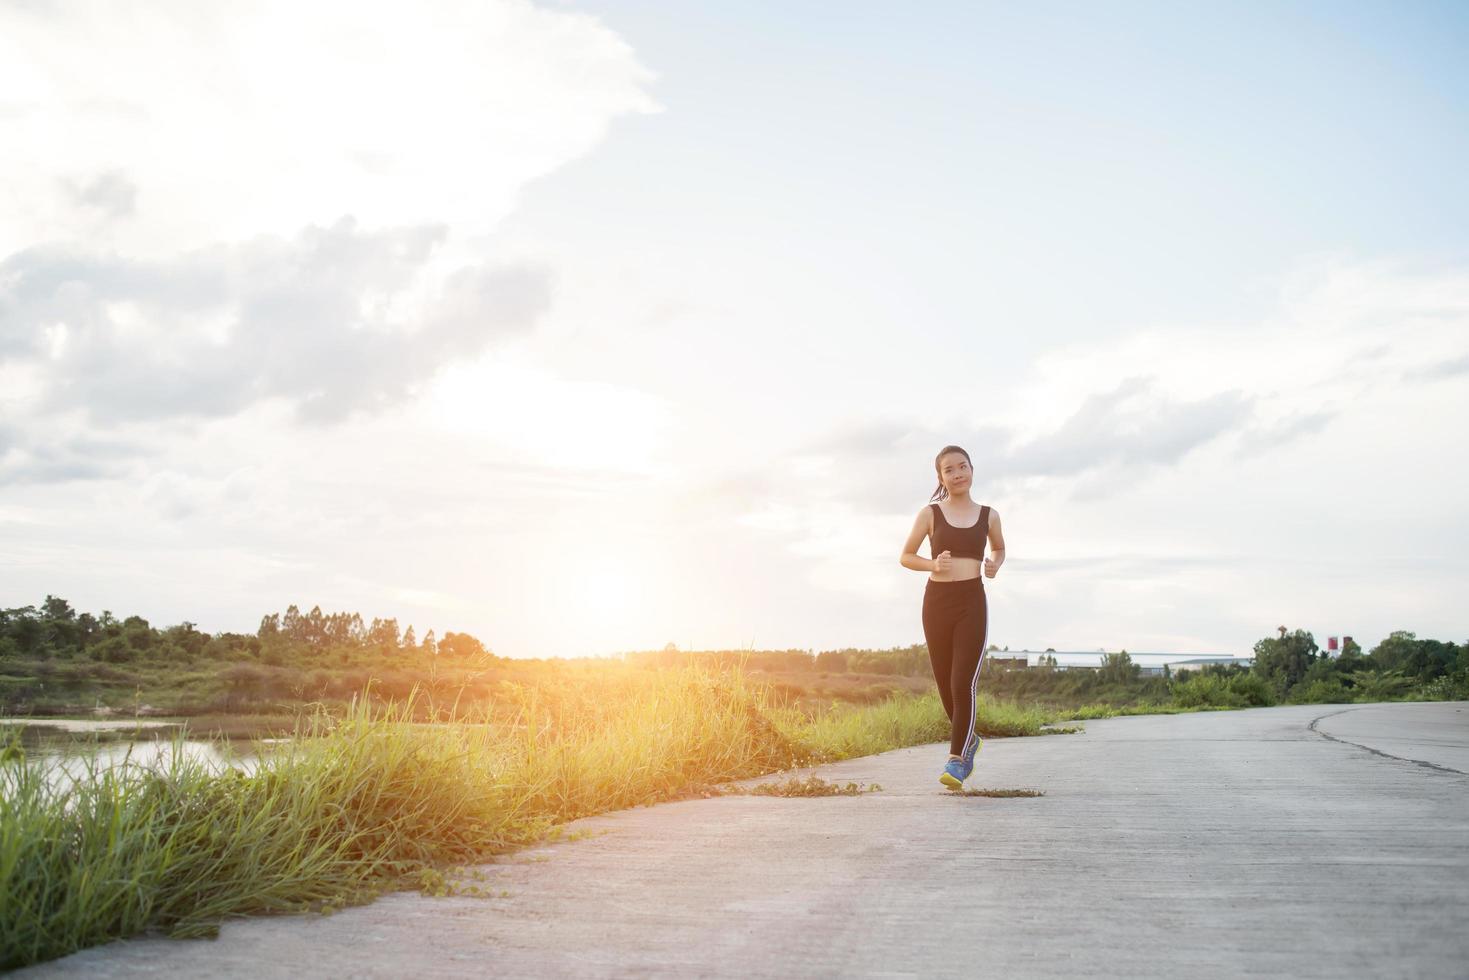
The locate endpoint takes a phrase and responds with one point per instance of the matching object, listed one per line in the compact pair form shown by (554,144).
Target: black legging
(956,626)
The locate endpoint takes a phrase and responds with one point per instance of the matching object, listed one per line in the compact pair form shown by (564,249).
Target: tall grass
(840,732)
(365,802)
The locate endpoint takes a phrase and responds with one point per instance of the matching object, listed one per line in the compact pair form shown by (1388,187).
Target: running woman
(955,610)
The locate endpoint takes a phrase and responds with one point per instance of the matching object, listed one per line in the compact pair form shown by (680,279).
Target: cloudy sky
(587,327)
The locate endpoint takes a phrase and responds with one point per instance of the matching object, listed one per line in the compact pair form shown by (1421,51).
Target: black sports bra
(959,542)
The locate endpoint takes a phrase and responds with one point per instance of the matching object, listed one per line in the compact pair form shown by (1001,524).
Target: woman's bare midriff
(960,570)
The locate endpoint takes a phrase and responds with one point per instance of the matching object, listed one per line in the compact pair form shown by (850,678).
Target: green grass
(380,798)
(377,800)
(843,732)
(351,807)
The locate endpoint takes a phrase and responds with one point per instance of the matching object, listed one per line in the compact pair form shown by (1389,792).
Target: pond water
(70,747)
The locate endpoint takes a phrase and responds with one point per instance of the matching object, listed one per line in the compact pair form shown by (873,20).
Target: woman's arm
(997,546)
(910,557)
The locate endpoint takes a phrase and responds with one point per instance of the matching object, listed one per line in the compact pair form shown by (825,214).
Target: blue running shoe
(955,772)
(969,756)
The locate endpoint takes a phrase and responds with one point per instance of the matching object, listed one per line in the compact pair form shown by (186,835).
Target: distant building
(1195,663)
(1149,664)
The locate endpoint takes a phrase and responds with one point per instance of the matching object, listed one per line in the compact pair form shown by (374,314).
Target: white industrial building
(1150,663)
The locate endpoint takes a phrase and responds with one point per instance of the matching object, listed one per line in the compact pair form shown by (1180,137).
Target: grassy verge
(377,800)
(842,732)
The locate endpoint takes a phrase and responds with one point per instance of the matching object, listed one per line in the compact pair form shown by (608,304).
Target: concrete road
(1312,841)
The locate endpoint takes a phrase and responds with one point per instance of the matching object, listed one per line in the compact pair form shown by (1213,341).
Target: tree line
(1287,667)
(57,631)
(1297,669)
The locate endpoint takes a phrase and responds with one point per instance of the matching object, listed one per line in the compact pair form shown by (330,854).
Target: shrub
(1207,690)
(114,650)
(1376,685)
(1252,688)
(1450,687)
(1321,692)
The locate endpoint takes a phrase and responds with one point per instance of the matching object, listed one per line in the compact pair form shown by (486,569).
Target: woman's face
(954,472)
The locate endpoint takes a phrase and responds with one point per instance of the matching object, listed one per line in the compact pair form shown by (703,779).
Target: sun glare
(615,597)
(536,415)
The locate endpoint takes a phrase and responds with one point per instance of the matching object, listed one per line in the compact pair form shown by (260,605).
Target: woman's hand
(943,563)
(990,567)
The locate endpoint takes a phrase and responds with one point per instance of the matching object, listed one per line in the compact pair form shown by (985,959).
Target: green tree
(832,661)
(315,625)
(291,625)
(1118,668)
(384,636)
(138,634)
(1283,660)
(114,649)
(1352,658)
(1395,650)
(462,646)
(90,629)
(61,631)
(1422,660)
(25,629)
(56,607)
(187,638)
(1322,669)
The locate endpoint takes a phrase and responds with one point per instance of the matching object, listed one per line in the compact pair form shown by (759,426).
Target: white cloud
(1343,331)
(1177,487)
(153,129)
(214,205)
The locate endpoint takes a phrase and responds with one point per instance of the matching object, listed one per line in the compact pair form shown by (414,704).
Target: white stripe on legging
(974,684)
